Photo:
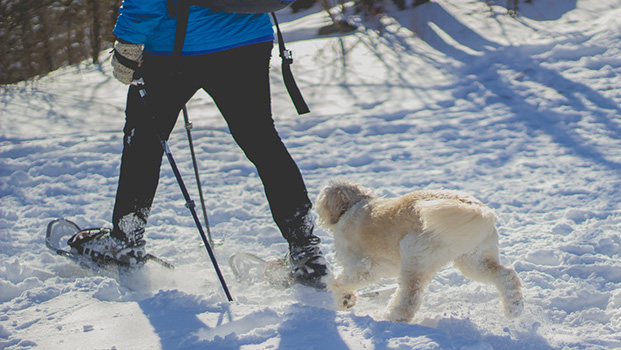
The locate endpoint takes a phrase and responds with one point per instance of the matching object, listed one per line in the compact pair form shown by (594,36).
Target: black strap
(182,12)
(287,60)
(131,64)
(172,9)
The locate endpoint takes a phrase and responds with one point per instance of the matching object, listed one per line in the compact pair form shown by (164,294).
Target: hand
(126,60)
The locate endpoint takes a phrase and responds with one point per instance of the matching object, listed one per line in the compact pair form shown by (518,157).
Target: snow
(521,112)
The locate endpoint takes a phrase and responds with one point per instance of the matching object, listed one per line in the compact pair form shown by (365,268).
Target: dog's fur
(412,237)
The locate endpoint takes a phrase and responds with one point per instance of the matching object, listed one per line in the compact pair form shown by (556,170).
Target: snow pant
(238,81)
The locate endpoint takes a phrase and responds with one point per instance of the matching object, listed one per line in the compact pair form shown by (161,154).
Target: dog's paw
(348,301)
(515,308)
(513,304)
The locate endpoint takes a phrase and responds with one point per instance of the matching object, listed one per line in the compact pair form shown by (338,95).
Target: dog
(411,237)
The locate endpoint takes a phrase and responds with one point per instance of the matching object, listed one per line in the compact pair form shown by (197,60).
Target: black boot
(308,266)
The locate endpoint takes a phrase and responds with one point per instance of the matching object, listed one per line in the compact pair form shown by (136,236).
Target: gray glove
(127,58)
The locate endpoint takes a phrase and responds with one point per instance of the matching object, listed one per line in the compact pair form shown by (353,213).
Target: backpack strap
(287,60)
(182,11)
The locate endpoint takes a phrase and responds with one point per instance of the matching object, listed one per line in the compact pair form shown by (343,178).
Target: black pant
(238,82)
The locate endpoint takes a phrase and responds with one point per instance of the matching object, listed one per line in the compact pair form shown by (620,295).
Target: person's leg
(241,91)
(167,92)
(168,88)
(240,88)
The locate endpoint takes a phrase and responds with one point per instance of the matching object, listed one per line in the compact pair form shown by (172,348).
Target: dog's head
(336,198)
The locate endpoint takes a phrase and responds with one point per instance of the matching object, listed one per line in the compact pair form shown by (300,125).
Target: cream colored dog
(412,237)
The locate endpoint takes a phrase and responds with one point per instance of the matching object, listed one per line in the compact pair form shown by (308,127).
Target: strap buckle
(287,56)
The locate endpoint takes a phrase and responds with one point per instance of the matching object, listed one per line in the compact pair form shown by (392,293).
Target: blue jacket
(148,22)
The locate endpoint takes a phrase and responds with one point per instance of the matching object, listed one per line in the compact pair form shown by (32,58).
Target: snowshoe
(252,269)
(278,273)
(94,248)
(303,265)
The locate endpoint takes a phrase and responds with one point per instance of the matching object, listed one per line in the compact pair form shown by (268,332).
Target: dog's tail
(461,225)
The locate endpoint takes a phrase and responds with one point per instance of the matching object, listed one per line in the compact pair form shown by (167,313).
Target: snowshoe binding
(99,246)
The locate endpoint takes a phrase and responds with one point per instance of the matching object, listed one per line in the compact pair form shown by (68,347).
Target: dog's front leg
(344,286)
(344,296)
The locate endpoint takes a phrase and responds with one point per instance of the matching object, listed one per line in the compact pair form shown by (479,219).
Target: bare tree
(38,36)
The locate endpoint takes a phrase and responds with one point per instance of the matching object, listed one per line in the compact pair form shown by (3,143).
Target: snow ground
(523,113)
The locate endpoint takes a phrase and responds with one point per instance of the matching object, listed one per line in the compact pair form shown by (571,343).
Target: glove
(127,58)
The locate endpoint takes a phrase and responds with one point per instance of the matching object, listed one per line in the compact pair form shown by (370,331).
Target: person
(227,55)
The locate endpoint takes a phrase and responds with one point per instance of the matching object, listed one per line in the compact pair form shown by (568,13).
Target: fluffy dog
(412,237)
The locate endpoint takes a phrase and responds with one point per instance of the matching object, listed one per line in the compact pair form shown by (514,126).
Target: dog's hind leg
(483,265)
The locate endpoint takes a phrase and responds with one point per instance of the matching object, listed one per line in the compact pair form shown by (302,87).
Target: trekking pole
(188,127)
(189,203)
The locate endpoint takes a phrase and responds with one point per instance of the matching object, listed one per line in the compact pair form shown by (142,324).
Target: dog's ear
(331,205)
(335,199)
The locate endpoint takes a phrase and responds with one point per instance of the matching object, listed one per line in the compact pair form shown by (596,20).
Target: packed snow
(522,112)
